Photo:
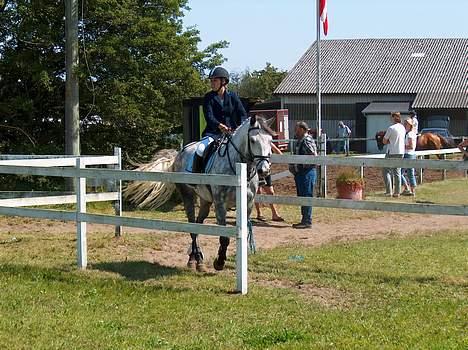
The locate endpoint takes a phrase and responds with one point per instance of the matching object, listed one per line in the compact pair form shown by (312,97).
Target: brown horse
(430,141)
(426,141)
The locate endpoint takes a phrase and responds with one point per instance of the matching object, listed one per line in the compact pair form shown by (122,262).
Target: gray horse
(251,144)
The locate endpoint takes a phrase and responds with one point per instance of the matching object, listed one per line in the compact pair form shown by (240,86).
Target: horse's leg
(196,250)
(220,208)
(189,205)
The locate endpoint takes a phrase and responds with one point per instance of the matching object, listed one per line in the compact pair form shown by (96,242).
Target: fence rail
(422,208)
(419,208)
(370,162)
(53,166)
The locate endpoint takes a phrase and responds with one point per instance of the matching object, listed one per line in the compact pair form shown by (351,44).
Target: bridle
(251,157)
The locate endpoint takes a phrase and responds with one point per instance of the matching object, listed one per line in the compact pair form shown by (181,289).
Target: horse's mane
(264,124)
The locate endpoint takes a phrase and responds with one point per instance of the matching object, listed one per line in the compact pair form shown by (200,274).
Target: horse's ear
(253,120)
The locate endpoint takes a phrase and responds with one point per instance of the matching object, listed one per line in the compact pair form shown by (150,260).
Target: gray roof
(433,69)
(387,107)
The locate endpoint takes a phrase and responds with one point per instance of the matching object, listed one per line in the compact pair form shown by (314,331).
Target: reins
(227,140)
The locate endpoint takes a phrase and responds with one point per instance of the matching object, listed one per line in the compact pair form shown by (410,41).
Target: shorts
(266,182)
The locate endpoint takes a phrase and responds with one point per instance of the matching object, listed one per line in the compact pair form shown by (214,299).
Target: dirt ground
(271,234)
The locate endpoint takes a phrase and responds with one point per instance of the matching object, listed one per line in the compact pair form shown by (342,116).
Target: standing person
(223,112)
(414,118)
(410,153)
(463,147)
(395,139)
(344,132)
(304,174)
(267,188)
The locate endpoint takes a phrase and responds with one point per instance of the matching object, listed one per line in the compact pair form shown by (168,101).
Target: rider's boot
(197,166)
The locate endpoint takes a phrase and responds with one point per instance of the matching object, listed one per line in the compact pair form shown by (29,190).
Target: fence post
(444,171)
(420,171)
(82,253)
(241,223)
(323,172)
(118,188)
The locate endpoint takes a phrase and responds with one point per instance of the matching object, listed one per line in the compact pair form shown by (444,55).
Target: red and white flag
(324,16)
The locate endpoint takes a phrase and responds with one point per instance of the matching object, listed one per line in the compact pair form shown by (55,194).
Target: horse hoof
(201,267)
(192,264)
(218,264)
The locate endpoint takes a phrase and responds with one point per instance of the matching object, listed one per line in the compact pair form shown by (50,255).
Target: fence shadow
(138,270)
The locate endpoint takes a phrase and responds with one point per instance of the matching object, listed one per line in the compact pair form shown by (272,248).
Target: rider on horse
(223,112)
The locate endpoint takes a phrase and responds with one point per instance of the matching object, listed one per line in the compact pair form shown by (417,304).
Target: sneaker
(388,194)
(407,193)
(301,225)
(396,195)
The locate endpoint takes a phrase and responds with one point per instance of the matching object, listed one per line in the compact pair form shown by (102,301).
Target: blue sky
(279,31)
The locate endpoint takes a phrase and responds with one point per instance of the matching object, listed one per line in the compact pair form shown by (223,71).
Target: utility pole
(72,114)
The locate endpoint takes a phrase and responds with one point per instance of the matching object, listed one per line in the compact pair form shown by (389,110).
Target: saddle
(201,163)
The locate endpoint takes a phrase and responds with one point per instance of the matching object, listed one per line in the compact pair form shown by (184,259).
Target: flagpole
(319,102)
(322,170)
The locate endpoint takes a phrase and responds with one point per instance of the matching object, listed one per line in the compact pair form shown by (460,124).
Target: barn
(363,80)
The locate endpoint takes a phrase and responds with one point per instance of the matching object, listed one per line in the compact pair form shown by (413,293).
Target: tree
(137,64)
(260,84)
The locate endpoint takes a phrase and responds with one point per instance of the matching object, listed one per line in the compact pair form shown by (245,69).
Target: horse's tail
(146,194)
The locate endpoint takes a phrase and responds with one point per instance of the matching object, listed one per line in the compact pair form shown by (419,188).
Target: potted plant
(349,185)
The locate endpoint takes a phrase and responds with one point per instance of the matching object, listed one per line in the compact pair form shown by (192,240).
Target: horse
(250,143)
(426,141)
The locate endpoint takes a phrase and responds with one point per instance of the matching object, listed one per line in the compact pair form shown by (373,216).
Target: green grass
(451,192)
(387,294)
(395,293)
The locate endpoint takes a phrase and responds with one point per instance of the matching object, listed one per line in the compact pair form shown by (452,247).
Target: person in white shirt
(414,119)
(394,138)
(409,183)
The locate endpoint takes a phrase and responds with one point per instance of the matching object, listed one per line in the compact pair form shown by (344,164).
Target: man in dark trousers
(304,174)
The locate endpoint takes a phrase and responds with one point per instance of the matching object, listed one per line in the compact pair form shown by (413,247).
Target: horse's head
(379,138)
(254,137)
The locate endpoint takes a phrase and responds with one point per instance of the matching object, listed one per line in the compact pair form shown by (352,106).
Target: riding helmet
(219,72)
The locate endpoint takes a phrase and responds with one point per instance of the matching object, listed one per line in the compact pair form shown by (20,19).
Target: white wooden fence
(365,204)
(56,167)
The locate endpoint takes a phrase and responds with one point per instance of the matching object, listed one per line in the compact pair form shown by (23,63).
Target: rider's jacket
(228,111)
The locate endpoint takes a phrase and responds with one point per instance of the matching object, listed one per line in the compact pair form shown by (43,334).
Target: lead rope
(250,237)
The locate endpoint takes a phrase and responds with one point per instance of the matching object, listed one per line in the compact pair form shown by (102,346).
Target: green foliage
(350,177)
(137,64)
(260,84)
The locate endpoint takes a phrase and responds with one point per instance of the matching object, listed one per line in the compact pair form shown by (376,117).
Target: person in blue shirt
(223,112)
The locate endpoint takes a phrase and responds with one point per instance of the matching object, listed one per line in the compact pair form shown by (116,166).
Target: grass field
(394,293)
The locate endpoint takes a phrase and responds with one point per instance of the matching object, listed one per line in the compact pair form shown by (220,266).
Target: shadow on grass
(138,270)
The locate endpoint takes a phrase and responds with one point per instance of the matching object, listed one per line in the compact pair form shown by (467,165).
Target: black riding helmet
(219,72)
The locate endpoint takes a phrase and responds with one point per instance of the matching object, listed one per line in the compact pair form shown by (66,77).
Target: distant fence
(56,167)
(365,204)
(421,155)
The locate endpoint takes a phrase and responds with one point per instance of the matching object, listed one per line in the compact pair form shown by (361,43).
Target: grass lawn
(398,293)
(386,294)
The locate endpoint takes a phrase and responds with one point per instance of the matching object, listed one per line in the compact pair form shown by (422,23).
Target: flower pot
(349,191)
